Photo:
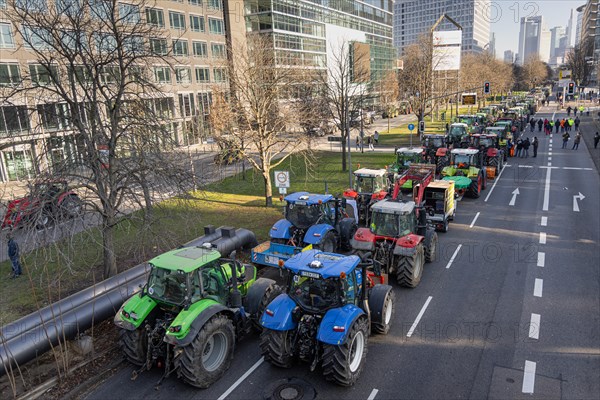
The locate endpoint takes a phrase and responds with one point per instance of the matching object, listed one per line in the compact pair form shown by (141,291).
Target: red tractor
(370,185)
(399,237)
(48,201)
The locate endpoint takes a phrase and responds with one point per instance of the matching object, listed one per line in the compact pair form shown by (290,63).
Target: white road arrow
(514,198)
(575,197)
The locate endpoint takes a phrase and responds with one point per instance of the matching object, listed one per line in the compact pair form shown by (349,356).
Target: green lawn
(55,271)
(400,135)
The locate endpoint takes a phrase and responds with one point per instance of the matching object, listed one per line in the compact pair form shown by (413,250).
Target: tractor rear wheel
(71,206)
(134,345)
(343,364)
(410,268)
(327,244)
(276,347)
(267,296)
(209,355)
(431,241)
(381,304)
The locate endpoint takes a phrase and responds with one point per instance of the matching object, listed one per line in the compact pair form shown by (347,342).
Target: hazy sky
(505,16)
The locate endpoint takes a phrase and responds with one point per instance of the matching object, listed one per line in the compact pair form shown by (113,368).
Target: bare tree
(256,117)
(96,61)
(387,90)
(479,68)
(577,61)
(534,71)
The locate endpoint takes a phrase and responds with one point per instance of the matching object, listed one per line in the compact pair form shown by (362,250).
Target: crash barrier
(36,333)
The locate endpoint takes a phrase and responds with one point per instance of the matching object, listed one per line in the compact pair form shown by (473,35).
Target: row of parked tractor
(331,259)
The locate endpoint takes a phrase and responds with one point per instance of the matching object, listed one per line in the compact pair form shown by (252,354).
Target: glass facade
(299,29)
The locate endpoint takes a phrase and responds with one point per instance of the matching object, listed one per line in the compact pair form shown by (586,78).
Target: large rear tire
(327,244)
(410,268)
(209,355)
(381,304)
(431,242)
(343,364)
(134,345)
(71,206)
(276,347)
(268,295)
(475,187)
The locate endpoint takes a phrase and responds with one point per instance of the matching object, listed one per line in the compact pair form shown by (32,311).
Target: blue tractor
(318,221)
(330,307)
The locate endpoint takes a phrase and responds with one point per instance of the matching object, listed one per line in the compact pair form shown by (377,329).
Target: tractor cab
(369,185)
(464,158)
(405,157)
(457,133)
(392,218)
(304,210)
(434,141)
(484,141)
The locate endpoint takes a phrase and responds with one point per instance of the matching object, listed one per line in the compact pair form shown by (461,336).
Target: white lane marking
(575,204)
(373,394)
(541,259)
(474,219)
(549,153)
(515,193)
(544,221)
(242,379)
(453,256)
(493,186)
(542,237)
(528,377)
(549,164)
(538,287)
(549,158)
(414,325)
(547,190)
(534,326)
(578,169)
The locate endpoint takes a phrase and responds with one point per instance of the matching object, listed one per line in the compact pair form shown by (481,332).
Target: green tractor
(467,170)
(405,156)
(190,313)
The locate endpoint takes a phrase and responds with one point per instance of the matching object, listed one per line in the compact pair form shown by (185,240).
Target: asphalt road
(514,314)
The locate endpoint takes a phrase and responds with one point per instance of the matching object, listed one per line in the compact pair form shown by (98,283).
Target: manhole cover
(290,389)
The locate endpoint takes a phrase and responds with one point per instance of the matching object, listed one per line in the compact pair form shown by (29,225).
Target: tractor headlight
(175,329)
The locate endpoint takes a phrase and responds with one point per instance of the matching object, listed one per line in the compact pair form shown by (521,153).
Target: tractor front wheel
(381,304)
(276,347)
(475,187)
(343,364)
(410,268)
(209,355)
(134,345)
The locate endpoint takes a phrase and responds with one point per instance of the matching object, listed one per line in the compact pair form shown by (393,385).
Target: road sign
(282,179)
(469,99)
(282,190)
(564,77)
(334,138)
(411,127)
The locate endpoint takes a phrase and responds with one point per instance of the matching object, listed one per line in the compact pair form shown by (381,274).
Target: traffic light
(486,88)
(421,126)
(571,88)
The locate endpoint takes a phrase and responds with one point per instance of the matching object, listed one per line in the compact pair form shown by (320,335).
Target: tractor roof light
(315,264)
(280,263)
(342,275)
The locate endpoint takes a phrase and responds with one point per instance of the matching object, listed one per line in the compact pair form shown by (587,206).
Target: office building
(534,39)
(34,135)
(590,33)
(413,18)
(558,41)
(509,56)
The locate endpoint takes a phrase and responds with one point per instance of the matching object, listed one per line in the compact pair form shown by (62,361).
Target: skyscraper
(534,39)
(558,40)
(509,56)
(413,18)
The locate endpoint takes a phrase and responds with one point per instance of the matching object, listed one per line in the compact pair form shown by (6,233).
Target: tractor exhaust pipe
(236,296)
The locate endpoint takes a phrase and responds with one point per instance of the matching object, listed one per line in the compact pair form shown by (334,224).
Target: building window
(202,75)
(37,38)
(6,38)
(54,116)
(2,4)
(216,26)
(9,74)
(180,48)
(68,7)
(215,4)
(204,101)
(105,42)
(133,44)
(217,50)
(158,47)
(80,74)
(162,74)
(109,74)
(197,23)
(155,17)
(195,2)
(219,75)
(186,104)
(177,20)
(41,76)
(101,10)
(129,13)
(13,119)
(200,49)
(183,75)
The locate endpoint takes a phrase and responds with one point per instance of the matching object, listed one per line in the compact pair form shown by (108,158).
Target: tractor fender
(63,196)
(317,232)
(281,320)
(407,245)
(256,293)
(281,230)
(338,317)
(192,320)
(363,240)
(350,194)
(138,308)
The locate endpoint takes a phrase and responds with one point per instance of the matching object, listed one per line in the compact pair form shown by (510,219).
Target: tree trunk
(110,259)
(147,198)
(345,136)
(268,189)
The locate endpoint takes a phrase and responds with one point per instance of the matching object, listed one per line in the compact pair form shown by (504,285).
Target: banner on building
(469,99)
(446,50)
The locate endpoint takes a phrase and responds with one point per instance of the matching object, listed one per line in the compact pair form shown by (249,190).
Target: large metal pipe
(31,336)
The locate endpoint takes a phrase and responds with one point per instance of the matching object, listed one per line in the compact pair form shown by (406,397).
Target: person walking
(376,137)
(571,122)
(557,124)
(576,141)
(566,137)
(569,111)
(13,254)
(596,140)
(562,125)
(575,111)
(535,145)
(519,148)
(370,142)
(532,124)
(551,123)
(526,144)
(357,142)
(577,122)
(540,124)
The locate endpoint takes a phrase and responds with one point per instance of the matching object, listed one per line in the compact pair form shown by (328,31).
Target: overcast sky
(505,16)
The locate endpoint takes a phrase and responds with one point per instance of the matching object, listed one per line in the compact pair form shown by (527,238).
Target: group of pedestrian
(576,141)
(566,124)
(371,141)
(523,147)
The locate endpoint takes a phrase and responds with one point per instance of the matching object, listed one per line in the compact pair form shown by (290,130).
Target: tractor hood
(315,263)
